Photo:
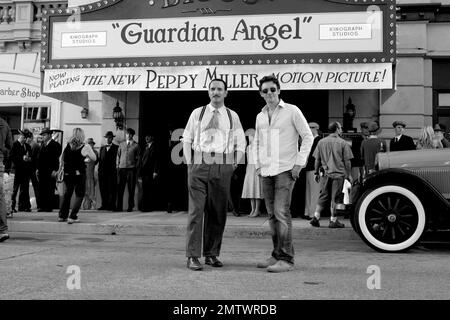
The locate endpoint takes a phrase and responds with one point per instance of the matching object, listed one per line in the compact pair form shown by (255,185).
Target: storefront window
(36,117)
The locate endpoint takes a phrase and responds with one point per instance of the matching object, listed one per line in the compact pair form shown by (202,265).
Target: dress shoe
(315,222)
(214,262)
(269,262)
(194,264)
(3,237)
(336,224)
(70,221)
(280,266)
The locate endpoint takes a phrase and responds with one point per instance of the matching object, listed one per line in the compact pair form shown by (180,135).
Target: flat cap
(399,123)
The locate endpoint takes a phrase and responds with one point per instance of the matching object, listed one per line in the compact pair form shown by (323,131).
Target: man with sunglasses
(279,162)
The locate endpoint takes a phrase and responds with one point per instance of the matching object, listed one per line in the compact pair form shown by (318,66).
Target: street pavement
(165,224)
(35,266)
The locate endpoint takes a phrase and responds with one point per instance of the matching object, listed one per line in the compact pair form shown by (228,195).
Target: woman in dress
(252,182)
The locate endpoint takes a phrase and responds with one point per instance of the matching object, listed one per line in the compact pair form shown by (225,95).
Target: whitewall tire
(390,218)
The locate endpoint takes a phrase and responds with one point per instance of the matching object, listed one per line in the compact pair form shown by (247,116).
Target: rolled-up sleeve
(189,131)
(304,131)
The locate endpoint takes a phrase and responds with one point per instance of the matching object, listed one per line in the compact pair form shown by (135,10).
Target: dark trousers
(22,181)
(277,192)
(47,187)
(35,183)
(209,190)
(126,177)
(147,201)
(3,222)
(72,183)
(108,189)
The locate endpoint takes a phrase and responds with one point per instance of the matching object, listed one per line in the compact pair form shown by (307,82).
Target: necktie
(214,122)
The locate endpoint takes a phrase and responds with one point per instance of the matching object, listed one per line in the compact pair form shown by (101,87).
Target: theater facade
(151,61)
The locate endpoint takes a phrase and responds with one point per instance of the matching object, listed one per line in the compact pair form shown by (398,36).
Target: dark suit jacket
(48,159)
(17,153)
(107,163)
(149,162)
(405,143)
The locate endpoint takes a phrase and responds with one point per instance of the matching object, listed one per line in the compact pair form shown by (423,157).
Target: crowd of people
(281,146)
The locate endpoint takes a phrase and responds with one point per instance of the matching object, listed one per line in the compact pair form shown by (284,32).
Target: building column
(412,100)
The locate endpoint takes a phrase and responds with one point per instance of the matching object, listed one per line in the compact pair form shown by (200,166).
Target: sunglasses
(271,90)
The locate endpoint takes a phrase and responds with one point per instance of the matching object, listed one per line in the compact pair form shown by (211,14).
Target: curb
(174,230)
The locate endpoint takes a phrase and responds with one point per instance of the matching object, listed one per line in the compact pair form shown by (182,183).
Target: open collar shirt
(277,141)
(221,140)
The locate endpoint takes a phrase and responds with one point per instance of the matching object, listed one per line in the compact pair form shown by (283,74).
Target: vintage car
(407,196)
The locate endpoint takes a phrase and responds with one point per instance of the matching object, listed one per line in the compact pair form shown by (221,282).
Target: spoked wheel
(390,218)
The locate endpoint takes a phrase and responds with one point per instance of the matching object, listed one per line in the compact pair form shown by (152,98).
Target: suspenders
(202,113)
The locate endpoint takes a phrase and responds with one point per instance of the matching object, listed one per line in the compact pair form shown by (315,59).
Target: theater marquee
(177,45)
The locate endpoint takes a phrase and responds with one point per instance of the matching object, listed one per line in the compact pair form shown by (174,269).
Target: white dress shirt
(214,140)
(277,142)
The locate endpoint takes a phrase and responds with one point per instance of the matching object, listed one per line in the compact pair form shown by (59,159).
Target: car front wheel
(390,218)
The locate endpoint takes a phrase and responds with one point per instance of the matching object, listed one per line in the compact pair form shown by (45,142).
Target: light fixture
(84,113)
(118,116)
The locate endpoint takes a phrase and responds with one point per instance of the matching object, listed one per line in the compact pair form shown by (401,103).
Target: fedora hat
(26,133)
(46,131)
(90,141)
(109,134)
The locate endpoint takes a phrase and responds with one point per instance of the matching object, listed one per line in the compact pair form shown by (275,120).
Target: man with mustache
(211,138)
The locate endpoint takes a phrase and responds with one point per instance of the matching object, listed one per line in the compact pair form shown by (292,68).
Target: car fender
(437,207)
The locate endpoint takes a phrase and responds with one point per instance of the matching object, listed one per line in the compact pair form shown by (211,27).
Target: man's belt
(213,158)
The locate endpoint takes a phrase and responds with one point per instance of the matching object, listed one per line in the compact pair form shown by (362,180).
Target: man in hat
(5,146)
(127,163)
(439,131)
(370,147)
(401,141)
(21,160)
(148,172)
(107,173)
(47,167)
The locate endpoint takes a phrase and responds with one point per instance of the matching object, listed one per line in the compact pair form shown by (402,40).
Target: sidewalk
(163,223)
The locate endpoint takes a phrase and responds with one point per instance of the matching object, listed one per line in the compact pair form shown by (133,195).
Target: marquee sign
(310,76)
(195,35)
